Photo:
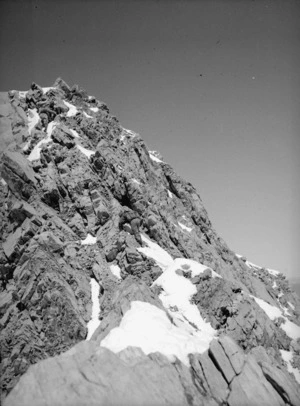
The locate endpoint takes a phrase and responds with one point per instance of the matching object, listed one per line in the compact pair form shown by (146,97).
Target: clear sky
(212,85)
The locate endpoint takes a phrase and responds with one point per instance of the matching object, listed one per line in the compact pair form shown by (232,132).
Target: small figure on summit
(130,217)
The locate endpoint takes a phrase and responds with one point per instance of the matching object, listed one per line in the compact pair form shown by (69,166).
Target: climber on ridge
(133,219)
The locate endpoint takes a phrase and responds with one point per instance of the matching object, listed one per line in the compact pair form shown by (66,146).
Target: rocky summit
(115,287)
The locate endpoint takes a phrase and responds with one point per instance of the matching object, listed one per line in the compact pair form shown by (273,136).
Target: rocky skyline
(212,85)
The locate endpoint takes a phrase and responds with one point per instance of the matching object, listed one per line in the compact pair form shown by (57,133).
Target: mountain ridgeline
(115,287)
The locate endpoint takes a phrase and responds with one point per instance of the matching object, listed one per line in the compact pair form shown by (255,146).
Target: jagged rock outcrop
(179,320)
(223,375)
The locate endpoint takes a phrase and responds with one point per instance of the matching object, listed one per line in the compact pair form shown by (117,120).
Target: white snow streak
(189,229)
(94,322)
(154,158)
(170,194)
(154,251)
(273,272)
(257,267)
(72,109)
(285,311)
(3,182)
(287,356)
(89,240)
(33,118)
(87,152)
(36,152)
(148,327)
(176,296)
(291,305)
(177,293)
(46,89)
(291,329)
(94,109)
(272,311)
(115,270)
(75,133)
(130,133)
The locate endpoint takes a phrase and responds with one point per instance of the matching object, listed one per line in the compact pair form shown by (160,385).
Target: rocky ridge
(182,319)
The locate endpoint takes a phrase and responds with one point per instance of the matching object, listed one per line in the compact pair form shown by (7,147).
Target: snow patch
(75,133)
(177,293)
(257,267)
(33,118)
(286,312)
(148,327)
(274,286)
(291,329)
(72,109)
(127,132)
(273,272)
(154,158)
(272,311)
(46,89)
(3,182)
(115,270)
(135,181)
(189,229)
(36,152)
(291,305)
(87,152)
(89,240)
(170,194)
(94,109)
(94,322)
(251,265)
(154,251)
(287,356)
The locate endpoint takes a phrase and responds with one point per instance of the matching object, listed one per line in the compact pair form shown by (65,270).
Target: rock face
(180,320)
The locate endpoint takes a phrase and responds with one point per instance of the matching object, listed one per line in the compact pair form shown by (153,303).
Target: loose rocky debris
(68,169)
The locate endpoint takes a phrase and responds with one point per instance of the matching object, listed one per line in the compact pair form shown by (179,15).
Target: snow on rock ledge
(149,328)
(94,322)
(89,240)
(115,270)
(291,329)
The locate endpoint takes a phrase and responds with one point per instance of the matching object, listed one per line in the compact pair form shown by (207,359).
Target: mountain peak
(111,268)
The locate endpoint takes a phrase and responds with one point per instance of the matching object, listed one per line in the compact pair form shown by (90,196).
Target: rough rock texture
(63,186)
(95,375)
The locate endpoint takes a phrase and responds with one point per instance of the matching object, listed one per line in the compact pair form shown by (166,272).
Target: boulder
(251,388)
(100,378)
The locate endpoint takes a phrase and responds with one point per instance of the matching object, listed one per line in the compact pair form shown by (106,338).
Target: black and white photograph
(149,203)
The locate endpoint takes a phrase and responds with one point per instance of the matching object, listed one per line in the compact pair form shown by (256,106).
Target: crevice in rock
(216,364)
(278,389)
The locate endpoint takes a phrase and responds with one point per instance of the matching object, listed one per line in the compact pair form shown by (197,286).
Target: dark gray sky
(213,85)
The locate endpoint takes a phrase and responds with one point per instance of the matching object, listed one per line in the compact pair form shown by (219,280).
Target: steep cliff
(153,310)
